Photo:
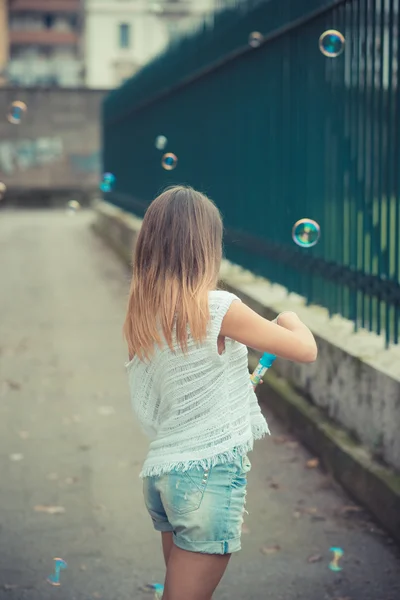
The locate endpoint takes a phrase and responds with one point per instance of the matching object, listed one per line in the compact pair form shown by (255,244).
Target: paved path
(68,439)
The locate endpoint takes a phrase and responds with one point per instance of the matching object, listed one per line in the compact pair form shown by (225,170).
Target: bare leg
(193,576)
(166,540)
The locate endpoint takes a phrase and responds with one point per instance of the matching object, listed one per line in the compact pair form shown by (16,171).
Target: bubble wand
(264,364)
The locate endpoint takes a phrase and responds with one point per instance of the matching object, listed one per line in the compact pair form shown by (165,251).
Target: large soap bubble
(305,233)
(16,112)
(331,43)
(169,161)
(255,39)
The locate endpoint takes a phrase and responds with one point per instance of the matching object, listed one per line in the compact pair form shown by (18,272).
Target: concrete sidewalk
(69,440)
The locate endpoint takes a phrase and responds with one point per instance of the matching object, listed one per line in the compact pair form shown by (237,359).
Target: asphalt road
(69,440)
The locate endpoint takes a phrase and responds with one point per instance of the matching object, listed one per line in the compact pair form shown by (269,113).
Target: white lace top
(198,409)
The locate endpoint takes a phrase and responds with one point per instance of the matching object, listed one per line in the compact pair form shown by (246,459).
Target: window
(124,35)
(49,21)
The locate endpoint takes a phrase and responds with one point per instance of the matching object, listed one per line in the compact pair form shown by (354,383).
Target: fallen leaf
(83,568)
(51,510)
(71,480)
(84,447)
(280,439)
(270,549)
(16,456)
(23,434)
(315,558)
(309,510)
(14,385)
(106,411)
(292,444)
(349,509)
(312,464)
(274,485)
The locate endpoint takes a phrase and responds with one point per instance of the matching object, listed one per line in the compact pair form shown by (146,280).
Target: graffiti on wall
(21,155)
(85,163)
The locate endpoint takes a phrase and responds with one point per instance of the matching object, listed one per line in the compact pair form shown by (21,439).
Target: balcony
(65,6)
(45,37)
(34,71)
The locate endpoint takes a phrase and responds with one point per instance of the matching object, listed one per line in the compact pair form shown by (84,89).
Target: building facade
(91,43)
(122,35)
(42,42)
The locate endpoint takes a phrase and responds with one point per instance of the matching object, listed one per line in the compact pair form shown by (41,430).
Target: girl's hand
(288,337)
(277,319)
(287,319)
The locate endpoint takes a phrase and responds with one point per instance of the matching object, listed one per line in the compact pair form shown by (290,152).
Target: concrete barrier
(345,407)
(55,151)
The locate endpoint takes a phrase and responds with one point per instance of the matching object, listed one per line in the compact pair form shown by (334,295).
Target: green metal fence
(278,133)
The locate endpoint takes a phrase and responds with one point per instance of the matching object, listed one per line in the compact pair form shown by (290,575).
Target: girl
(191,390)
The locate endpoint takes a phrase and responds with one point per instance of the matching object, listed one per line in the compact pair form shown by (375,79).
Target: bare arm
(288,338)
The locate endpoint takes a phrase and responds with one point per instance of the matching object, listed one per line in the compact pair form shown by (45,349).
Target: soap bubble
(3,189)
(161,142)
(73,206)
(305,233)
(255,39)
(331,43)
(169,161)
(109,178)
(16,112)
(107,182)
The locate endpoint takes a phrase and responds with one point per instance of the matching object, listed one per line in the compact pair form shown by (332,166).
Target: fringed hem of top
(258,431)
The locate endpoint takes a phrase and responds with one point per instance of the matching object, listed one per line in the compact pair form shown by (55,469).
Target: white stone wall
(355,379)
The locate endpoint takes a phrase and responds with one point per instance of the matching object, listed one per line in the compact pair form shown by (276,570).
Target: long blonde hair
(176,263)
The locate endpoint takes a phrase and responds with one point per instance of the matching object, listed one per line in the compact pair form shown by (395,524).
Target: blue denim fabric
(202,507)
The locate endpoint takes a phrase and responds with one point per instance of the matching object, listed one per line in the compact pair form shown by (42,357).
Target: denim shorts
(202,507)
